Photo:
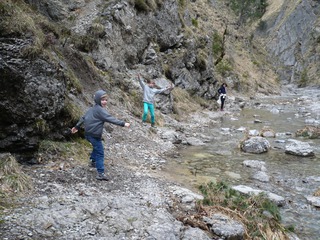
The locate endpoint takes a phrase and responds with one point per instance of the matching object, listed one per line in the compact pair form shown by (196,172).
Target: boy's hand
(74,130)
(127,125)
(170,87)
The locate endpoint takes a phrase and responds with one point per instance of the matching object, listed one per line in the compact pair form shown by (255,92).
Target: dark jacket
(96,116)
(222,90)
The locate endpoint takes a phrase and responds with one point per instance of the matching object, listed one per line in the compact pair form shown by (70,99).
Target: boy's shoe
(144,123)
(92,163)
(153,126)
(102,177)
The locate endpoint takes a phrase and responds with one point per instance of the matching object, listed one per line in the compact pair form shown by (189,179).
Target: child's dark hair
(150,80)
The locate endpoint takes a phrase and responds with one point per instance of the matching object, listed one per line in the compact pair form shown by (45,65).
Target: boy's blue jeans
(146,107)
(97,153)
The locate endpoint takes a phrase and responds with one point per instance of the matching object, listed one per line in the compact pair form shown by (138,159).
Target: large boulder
(32,95)
(298,148)
(255,145)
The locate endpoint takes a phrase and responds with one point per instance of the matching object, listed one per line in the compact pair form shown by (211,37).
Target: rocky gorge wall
(291,38)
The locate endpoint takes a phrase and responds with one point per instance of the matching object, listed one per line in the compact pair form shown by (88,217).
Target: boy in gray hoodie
(148,98)
(93,121)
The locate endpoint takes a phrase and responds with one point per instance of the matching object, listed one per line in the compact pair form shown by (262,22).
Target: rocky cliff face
(86,45)
(292,34)
(32,97)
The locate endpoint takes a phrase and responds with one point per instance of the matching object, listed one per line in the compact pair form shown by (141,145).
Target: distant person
(223,94)
(149,91)
(93,121)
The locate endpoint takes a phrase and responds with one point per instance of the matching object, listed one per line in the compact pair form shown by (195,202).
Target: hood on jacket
(97,96)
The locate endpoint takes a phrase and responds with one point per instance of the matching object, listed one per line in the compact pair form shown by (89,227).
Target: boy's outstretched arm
(76,128)
(140,80)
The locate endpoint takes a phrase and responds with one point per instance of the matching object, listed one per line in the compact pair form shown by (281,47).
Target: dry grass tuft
(250,211)
(12,178)
(317,193)
(184,103)
(76,151)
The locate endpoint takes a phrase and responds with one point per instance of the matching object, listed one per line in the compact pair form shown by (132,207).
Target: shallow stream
(291,177)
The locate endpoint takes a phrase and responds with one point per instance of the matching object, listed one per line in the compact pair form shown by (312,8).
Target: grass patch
(260,217)
(13,181)
(248,10)
(85,43)
(72,80)
(73,110)
(183,103)
(18,19)
(77,150)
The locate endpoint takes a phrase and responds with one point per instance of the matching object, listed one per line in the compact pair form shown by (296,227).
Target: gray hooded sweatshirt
(96,116)
(149,93)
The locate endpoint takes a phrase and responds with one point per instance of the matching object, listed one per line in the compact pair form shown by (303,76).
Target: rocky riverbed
(141,201)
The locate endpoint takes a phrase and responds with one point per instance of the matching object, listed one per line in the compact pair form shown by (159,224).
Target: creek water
(291,177)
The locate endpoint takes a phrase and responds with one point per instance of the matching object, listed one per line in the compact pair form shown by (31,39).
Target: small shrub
(262,26)
(182,3)
(194,22)
(303,78)
(201,61)
(141,5)
(248,9)
(41,125)
(223,67)
(217,45)
(85,43)
(97,30)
